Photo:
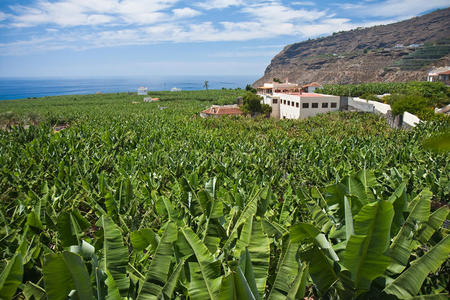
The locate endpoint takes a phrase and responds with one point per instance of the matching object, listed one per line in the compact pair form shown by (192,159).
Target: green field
(150,201)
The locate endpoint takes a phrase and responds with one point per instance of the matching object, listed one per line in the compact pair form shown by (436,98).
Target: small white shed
(142,91)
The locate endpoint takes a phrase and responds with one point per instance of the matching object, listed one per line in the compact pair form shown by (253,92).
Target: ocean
(13,88)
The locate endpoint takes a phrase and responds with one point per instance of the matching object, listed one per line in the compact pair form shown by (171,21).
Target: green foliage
(437,93)
(131,200)
(416,105)
(251,89)
(251,104)
(11,277)
(439,143)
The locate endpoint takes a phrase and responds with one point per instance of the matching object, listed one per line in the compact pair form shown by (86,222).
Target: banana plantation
(135,200)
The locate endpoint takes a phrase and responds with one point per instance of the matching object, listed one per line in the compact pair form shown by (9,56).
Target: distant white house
(439,74)
(142,91)
(175,89)
(311,87)
(150,99)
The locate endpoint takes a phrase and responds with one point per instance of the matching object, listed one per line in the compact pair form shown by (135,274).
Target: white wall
(294,112)
(382,108)
(379,107)
(289,111)
(310,112)
(410,119)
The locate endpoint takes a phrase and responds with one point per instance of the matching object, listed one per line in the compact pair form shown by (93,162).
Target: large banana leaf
(253,239)
(363,256)
(298,288)
(171,283)
(400,201)
(245,264)
(368,180)
(321,268)
(235,286)
(402,244)
(159,269)
(408,284)
(206,275)
(113,291)
(434,223)
(356,188)
(348,218)
(287,273)
(70,225)
(65,272)
(33,291)
(248,212)
(115,255)
(304,232)
(11,277)
(142,238)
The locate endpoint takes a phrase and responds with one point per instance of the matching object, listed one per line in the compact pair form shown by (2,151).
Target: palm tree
(205,85)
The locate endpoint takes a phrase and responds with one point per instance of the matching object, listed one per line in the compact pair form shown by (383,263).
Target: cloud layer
(82,24)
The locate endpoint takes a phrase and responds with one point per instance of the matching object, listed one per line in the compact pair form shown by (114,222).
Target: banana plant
(369,260)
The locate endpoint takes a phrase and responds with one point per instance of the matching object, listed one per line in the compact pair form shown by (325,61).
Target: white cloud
(393,8)
(218,4)
(186,12)
(277,13)
(68,13)
(304,3)
(84,24)
(3,16)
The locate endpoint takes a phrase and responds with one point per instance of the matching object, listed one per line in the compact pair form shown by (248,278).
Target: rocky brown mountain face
(400,51)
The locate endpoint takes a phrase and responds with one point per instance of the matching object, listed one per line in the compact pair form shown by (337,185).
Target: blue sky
(72,38)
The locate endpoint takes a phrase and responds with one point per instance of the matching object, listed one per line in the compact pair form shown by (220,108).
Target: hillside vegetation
(150,201)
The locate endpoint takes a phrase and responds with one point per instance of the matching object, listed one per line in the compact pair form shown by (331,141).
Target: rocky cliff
(400,51)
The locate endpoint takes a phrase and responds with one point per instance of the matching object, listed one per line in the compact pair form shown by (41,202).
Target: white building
(142,91)
(439,74)
(311,87)
(288,102)
(175,89)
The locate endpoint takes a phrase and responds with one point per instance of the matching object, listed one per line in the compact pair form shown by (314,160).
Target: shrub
(411,103)
(249,88)
(251,103)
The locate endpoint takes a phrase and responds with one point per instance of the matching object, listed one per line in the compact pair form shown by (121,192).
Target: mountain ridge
(401,51)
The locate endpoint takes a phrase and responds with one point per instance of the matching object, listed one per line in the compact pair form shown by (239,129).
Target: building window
(296,104)
(315,105)
(293,103)
(284,101)
(274,101)
(305,105)
(333,104)
(324,104)
(289,102)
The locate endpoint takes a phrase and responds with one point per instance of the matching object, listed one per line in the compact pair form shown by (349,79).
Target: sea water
(20,88)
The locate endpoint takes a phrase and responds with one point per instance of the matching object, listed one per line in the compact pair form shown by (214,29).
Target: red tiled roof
(314,84)
(445,73)
(222,110)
